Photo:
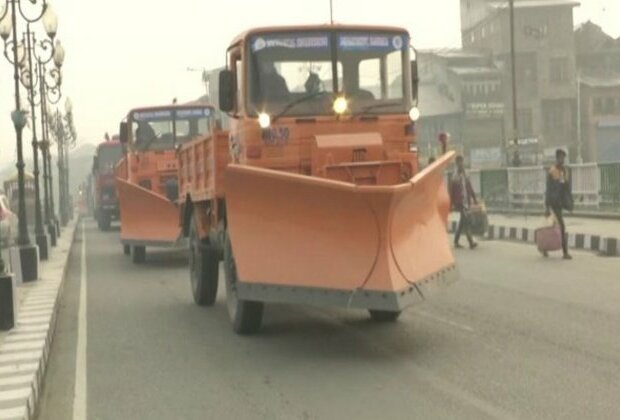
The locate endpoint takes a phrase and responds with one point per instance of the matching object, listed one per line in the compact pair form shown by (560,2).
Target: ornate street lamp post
(65,135)
(8,27)
(70,138)
(49,92)
(43,51)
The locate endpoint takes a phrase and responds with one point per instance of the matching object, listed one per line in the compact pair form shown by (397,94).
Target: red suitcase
(548,238)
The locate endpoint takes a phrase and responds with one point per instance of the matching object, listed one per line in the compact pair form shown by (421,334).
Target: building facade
(461,94)
(598,65)
(545,70)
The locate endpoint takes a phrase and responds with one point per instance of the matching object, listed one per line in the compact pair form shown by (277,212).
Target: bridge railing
(610,185)
(596,187)
(526,186)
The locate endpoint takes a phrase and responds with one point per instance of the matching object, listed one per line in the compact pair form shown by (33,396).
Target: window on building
(483,32)
(609,107)
(492,27)
(558,70)
(524,122)
(472,37)
(597,106)
(557,115)
(526,67)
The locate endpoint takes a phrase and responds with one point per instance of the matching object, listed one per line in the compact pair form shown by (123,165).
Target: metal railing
(595,187)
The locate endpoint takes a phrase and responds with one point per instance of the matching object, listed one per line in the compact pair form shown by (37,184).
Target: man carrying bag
(462,196)
(558,196)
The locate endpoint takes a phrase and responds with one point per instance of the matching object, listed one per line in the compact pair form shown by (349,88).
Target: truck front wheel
(246,315)
(103,220)
(204,267)
(383,316)
(138,254)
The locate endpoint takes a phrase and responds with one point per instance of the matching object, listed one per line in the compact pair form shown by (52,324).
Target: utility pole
(513,70)
(579,155)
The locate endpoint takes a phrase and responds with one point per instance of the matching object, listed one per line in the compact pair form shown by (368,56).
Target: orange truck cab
(147,175)
(323,202)
(105,198)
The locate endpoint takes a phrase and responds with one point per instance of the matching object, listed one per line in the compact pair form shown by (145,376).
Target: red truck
(105,197)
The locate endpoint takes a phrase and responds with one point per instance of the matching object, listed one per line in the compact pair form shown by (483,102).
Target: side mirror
(227,90)
(414,80)
(123,133)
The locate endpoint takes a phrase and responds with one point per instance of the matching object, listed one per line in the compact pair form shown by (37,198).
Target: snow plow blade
(147,218)
(313,240)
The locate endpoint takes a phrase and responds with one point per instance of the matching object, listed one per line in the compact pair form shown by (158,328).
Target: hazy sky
(126,53)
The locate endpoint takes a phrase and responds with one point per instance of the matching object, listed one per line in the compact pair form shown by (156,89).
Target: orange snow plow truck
(147,176)
(314,196)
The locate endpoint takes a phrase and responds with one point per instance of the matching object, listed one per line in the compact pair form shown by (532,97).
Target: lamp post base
(7,302)
(43,246)
(51,230)
(29,262)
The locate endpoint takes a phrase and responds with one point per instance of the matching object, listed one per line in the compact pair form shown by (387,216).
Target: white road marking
(15,394)
(44,307)
(30,328)
(20,368)
(19,357)
(37,320)
(16,380)
(36,313)
(25,337)
(79,395)
(13,413)
(444,321)
(21,346)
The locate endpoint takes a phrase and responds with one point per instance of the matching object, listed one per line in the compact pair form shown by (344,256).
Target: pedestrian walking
(559,196)
(462,196)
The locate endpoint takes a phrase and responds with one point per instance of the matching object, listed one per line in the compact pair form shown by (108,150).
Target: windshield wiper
(298,101)
(373,106)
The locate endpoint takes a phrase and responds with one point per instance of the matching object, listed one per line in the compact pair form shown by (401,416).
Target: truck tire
(245,315)
(103,220)
(126,249)
(384,316)
(204,264)
(138,254)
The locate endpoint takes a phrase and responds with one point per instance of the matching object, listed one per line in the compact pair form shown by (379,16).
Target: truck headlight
(264,120)
(341,105)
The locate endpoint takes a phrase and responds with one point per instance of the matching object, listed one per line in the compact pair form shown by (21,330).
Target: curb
(25,351)
(607,246)
(601,215)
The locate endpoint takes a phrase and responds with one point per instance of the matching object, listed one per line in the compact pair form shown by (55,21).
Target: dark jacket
(457,193)
(558,194)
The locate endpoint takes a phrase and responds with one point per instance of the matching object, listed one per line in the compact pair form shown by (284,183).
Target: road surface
(518,337)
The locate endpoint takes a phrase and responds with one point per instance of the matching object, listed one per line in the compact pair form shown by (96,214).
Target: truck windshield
(293,72)
(108,156)
(163,129)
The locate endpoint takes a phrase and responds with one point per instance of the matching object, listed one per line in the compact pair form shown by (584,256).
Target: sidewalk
(24,350)
(599,235)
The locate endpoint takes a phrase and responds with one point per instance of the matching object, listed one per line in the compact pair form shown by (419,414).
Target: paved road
(519,337)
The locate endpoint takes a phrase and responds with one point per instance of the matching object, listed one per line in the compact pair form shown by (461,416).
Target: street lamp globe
(50,21)
(59,54)
(6,26)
